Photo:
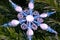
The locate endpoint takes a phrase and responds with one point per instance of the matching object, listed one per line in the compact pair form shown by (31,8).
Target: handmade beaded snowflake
(30,19)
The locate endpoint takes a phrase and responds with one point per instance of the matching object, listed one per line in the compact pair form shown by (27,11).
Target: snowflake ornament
(30,19)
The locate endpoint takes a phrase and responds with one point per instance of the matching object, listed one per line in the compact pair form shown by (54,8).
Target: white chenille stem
(31,5)
(43,26)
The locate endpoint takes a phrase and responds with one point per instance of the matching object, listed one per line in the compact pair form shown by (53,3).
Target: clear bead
(23,26)
(19,16)
(40,20)
(34,26)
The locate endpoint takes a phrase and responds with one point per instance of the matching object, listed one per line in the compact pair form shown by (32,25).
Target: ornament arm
(16,7)
(44,15)
(12,23)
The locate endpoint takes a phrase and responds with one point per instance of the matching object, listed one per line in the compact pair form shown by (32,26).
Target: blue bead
(13,4)
(32,1)
(51,30)
(49,13)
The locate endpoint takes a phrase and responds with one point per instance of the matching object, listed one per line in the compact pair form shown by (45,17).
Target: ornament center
(29,18)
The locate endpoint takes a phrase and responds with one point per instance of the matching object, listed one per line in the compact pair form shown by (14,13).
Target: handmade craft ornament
(30,19)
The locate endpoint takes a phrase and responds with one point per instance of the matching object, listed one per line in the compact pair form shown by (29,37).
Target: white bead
(44,15)
(30,32)
(31,5)
(14,22)
(30,18)
(18,9)
(43,26)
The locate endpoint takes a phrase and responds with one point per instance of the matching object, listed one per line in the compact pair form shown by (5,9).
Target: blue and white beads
(30,19)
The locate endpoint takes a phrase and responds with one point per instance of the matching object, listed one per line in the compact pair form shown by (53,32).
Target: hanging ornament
(30,19)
